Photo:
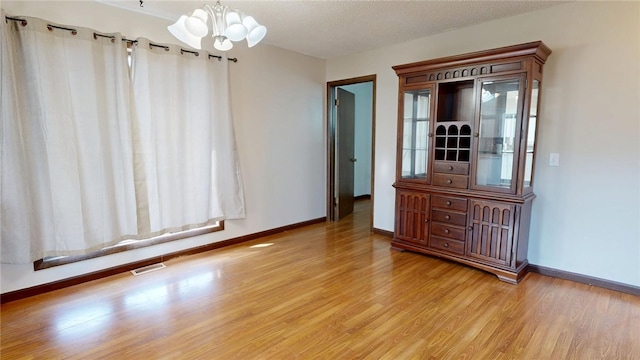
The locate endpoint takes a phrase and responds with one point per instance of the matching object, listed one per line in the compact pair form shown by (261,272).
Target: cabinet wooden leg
(509,279)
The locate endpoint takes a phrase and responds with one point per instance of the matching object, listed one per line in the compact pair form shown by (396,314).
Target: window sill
(125,246)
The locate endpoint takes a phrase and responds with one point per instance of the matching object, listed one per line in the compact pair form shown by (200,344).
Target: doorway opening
(350,145)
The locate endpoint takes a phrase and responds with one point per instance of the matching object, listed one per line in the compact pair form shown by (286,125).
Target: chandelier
(227,25)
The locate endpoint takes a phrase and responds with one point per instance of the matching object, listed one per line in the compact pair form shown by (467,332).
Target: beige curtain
(90,155)
(187,160)
(66,162)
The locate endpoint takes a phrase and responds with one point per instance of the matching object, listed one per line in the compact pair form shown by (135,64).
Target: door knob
(353,159)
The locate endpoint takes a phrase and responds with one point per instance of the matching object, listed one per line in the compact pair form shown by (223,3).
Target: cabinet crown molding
(537,49)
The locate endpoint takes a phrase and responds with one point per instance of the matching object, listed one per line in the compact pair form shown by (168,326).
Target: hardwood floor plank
(329,291)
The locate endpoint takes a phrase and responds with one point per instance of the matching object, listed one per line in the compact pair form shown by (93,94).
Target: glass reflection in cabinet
(415,140)
(497,132)
(531,134)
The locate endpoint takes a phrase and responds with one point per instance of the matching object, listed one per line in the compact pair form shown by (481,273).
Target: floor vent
(148,269)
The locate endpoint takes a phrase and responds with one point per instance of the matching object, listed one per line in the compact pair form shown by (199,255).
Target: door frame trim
(331,142)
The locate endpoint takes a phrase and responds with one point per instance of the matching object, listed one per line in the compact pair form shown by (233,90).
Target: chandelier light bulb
(255,31)
(235,31)
(222,44)
(196,24)
(179,30)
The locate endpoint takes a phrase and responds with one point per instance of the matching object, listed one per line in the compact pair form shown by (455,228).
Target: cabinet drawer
(447,217)
(454,181)
(453,246)
(451,168)
(448,231)
(446,202)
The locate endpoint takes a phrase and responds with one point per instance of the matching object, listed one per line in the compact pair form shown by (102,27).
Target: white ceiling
(330,29)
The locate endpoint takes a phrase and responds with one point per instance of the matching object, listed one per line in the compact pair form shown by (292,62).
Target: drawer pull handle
(470,228)
(476,134)
(430,134)
(426,220)
(446,245)
(446,231)
(447,217)
(450,168)
(449,181)
(448,203)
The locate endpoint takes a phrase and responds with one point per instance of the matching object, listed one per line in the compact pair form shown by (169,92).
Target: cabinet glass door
(497,142)
(415,134)
(531,134)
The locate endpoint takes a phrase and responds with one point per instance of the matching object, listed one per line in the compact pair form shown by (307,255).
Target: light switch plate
(554,159)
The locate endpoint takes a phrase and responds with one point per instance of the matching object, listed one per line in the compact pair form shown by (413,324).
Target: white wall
(278,108)
(587,214)
(363,129)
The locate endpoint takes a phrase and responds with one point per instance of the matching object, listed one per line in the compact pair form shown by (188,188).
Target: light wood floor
(327,291)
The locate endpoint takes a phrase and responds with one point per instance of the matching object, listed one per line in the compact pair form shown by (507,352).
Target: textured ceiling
(330,29)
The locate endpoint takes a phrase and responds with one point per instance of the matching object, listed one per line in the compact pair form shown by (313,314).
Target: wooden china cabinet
(465,154)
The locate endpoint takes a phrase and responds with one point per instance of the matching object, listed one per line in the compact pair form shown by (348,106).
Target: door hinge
(337,102)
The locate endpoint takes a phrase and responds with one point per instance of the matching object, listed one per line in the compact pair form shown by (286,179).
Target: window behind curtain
(89,158)
(67,183)
(184,140)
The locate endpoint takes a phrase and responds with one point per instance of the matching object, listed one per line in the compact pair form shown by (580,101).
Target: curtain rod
(50,27)
(23,22)
(111,37)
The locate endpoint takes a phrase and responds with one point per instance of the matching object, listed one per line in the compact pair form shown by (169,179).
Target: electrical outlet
(554,159)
